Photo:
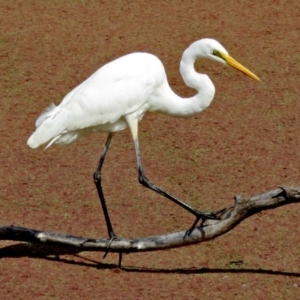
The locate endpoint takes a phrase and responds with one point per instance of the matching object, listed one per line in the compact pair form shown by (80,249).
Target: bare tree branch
(210,229)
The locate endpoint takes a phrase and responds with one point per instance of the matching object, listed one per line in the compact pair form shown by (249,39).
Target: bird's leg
(97,180)
(145,182)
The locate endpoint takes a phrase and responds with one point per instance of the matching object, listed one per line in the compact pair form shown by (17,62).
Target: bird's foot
(113,237)
(204,216)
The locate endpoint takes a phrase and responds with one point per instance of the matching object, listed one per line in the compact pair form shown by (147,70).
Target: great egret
(117,96)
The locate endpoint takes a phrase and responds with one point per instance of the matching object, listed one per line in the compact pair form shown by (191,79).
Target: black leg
(97,180)
(145,182)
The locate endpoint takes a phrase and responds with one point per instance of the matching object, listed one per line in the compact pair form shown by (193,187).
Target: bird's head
(213,50)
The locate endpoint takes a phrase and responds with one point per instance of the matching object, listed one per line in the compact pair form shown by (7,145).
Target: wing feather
(117,89)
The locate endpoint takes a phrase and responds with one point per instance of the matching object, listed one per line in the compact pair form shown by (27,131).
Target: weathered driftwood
(229,218)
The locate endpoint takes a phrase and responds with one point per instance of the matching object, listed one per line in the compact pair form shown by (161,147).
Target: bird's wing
(95,103)
(115,90)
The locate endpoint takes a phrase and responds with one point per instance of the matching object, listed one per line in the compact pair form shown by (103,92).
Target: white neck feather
(186,107)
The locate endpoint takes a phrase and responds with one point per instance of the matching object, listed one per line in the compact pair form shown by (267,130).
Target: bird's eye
(217,53)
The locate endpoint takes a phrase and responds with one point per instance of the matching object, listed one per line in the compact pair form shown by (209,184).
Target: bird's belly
(119,125)
(70,137)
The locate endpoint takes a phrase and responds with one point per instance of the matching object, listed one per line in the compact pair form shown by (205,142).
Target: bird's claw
(112,238)
(204,216)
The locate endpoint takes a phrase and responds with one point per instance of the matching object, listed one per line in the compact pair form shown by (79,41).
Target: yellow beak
(232,62)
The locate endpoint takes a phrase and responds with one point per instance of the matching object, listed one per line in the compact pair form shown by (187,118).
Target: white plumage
(117,96)
(129,85)
(100,103)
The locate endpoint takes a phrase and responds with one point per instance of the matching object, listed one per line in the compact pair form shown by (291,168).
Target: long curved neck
(186,107)
(197,81)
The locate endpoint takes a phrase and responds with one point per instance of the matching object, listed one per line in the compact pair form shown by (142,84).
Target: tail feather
(52,141)
(46,128)
(48,112)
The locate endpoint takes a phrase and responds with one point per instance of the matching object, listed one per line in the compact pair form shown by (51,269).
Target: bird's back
(119,88)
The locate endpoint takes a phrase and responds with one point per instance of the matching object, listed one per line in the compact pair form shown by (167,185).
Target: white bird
(117,96)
